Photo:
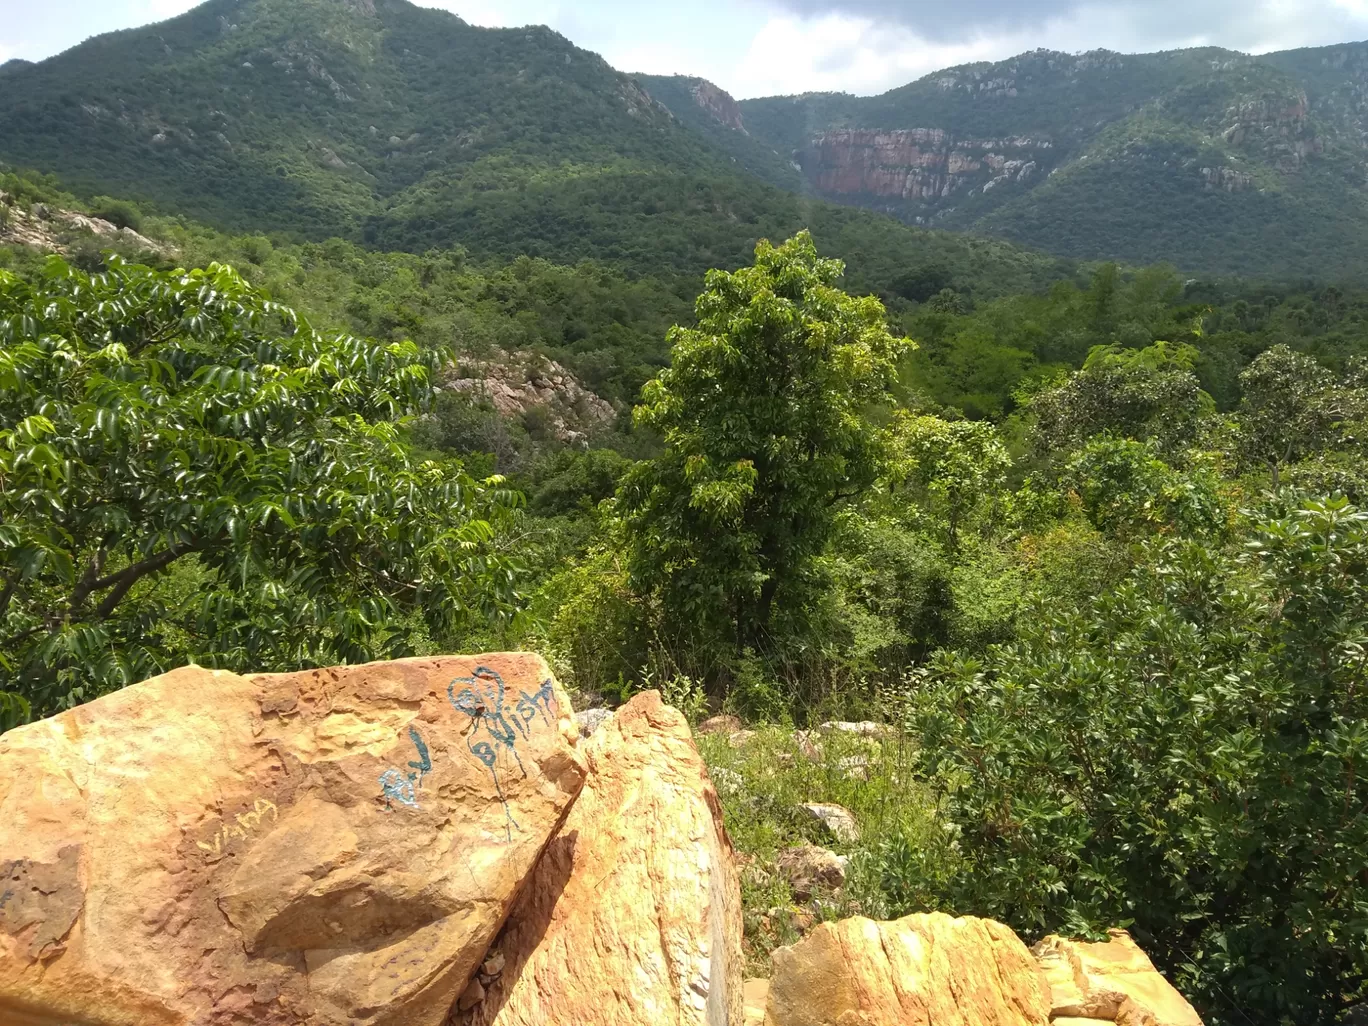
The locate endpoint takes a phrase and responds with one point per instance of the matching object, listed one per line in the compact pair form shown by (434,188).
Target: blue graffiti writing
(398,788)
(401,787)
(424,763)
(482,699)
(4,898)
(529,707)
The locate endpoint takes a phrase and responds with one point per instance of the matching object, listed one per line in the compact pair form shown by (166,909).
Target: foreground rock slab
(327,847)
(1113,981)
(923,969)
(633,915)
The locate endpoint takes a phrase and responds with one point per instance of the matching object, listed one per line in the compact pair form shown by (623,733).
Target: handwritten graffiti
(246,823)
(4,898)
(401,787)
(495,729)
(529,707)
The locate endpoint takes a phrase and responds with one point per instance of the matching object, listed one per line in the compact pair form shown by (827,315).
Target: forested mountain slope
(1213,159)
(406,128)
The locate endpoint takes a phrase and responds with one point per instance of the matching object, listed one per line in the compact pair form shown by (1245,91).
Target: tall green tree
(191,472)
(763,418)
(1289,408)
(1150,394)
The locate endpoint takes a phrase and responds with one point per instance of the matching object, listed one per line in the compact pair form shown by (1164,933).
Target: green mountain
(1212,159)
(407,129)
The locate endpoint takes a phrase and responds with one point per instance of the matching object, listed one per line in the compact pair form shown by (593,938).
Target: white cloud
(862,54)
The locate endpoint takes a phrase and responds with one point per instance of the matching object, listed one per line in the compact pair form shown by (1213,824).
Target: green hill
(1216,160)
(406,128)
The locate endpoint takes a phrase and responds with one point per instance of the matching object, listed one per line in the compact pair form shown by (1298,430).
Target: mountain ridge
(406,127)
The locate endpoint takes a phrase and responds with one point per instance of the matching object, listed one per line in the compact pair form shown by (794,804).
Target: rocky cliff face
(918,164)
(719,104)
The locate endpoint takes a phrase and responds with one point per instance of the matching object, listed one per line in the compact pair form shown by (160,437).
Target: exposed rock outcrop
(53,229)
(633,915)
(718,103)
(926,968)
(517,385)
(1110,982)
(916,163)
(327,847)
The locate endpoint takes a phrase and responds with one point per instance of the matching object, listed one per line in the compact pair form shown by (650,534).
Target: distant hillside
(406,128)
(1215,160)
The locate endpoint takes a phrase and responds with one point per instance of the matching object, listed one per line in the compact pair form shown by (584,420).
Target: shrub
(118,212)
(1183,757)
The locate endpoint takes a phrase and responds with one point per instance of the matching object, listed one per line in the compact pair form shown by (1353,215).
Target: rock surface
(590,720)
(327,847)
(1113,981)
(756,996)
(809,867)
(516,384)
(924,969)
(837,819)
(633,915)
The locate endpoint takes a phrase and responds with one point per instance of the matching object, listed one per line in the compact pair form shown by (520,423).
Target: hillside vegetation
(1216,160)
(1086,541)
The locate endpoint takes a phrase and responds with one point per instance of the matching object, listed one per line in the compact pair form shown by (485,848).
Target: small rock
(808,748)
(723,724)
(590,720)
(493,965)
(837,819)
(864,728)
(856,767)
(471,996)
(726,779)
(808,867)
(738,739)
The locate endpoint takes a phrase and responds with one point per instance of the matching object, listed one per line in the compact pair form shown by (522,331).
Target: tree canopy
(762,414)
(189,471)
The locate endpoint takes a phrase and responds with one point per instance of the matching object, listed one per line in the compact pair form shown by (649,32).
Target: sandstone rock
(756,995)
(836,818)
(1112,981)
(724,724)
(809,867)
(328,847)
(590,720)
(924,969)
(633,915)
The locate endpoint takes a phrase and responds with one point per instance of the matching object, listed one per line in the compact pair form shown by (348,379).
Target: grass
(765,775)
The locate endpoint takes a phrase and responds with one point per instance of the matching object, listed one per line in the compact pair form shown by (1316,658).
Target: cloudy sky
(762,47)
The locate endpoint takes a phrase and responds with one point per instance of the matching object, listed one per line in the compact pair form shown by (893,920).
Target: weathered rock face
(926,968)
(718,103)
(1110,982)
(633,915)
(924,164)
(327,847)
(517,385)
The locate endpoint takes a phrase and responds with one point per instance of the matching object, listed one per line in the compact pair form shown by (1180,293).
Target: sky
(766,47)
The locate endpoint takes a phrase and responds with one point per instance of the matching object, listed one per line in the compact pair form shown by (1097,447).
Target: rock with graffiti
(326,847)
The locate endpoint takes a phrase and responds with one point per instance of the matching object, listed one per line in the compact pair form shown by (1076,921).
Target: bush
(120,213)
(1181,757)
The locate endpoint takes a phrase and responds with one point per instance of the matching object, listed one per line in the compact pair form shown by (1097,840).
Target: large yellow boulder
(1112,981)
(927,969)
(633,916)
(328,847)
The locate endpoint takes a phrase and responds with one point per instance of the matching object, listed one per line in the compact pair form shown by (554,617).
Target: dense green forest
(403,127)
